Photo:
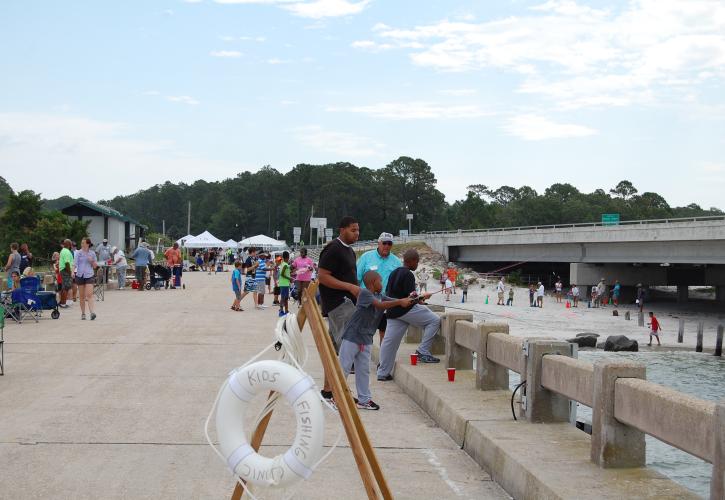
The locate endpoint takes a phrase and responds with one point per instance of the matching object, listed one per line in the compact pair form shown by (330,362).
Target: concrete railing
(678,419)
(569,377)
(575,225)
(625,407)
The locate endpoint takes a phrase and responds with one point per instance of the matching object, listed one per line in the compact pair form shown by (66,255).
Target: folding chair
(25,299)
(99,287)
(2,340)
(9,310)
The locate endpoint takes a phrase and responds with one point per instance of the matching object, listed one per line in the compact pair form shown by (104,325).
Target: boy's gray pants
(350,353)
(418,315)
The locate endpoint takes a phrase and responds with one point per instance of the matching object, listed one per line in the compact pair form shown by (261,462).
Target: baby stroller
(158,276)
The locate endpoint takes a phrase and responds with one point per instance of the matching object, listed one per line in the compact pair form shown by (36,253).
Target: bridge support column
(682,294)
(614,445)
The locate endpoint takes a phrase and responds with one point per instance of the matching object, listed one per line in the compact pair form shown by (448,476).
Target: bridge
(682,251)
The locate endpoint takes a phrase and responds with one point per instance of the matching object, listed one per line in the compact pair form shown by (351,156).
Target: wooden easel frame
(371,473)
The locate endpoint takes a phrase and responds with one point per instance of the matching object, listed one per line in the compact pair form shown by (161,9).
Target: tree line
(267,201)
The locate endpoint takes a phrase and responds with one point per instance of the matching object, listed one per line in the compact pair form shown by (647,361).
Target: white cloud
(537,128)
(318,9)
(93,150)
(275,61)
(577,55)
(184,99)
(312,9)
(458,92)
(340,143)
(225,53)
(415,110)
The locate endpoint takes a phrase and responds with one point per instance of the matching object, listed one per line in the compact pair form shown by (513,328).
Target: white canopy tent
(262,241)
(204,240)
(185,238)
(231,244)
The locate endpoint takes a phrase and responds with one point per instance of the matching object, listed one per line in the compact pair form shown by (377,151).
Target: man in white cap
(384,262)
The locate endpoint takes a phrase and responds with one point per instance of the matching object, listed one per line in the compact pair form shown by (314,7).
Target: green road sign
(610,219)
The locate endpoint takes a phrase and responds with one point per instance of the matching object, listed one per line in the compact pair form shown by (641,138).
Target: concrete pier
(114,408)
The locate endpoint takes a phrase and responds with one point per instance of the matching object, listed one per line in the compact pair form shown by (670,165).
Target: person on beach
(86,264)
(285,277)
(119,260)
(302,268)
(357,337)
(464,291)
(26,258)
(575,295)
(640,296)
(337,274)
(174,261)
(453,275)
(442,280)
(558,287)
(250,284)
(400,286)
(510,301)
(540,295)
(423,278)
(448,288)
(532,295)
(500,288)
(655,328)
(383,261)
(13,264)
(142,257)
(237,286)
(616,291)
(260,277)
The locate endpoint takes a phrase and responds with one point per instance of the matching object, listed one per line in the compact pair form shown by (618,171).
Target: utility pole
(163,227)
(188,220)
(312,214)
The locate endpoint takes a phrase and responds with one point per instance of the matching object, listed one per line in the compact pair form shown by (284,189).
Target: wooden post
(370,471)
(681,331)
(718,341)
(700,331)
(258,434)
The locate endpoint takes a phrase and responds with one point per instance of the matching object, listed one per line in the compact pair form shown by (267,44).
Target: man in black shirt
(401,283)
(337,274)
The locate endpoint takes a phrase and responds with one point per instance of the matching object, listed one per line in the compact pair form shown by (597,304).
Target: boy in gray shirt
(357,338)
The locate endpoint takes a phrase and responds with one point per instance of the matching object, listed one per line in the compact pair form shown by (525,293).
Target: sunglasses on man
(387,243)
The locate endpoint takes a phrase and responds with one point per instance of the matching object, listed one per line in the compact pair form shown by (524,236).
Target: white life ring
(299,390)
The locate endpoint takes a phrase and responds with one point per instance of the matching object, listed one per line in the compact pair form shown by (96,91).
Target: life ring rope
(293,352)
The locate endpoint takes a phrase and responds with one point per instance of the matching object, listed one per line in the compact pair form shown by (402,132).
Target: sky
(99,99)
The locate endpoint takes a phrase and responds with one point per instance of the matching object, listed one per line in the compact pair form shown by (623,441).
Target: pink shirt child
(304,266)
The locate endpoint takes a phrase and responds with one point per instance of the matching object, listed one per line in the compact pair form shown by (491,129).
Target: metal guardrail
(574,225)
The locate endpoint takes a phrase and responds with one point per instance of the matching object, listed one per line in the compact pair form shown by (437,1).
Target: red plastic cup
(413,359)
(451,374)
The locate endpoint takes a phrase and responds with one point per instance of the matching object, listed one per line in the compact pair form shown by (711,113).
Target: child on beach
(464,289)
(357,338)
(284,284)
(237,286)
(447,290)
(510,301)
(655,328)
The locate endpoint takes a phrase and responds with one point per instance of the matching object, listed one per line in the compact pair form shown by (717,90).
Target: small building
(105,222)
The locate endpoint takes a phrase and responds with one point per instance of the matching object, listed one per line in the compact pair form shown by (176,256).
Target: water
(699,375)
